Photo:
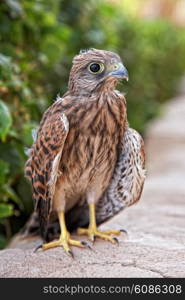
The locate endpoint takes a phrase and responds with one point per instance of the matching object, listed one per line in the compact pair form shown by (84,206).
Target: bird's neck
(102,88)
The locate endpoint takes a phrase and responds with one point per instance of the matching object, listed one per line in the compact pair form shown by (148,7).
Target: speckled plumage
(84,150)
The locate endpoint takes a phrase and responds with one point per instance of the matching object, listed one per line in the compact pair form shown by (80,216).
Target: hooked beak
(120,72)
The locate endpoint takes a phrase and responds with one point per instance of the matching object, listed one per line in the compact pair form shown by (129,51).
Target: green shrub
(37,42)
(29,35)
(154,54)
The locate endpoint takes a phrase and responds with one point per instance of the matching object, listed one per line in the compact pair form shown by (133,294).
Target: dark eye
(96,68)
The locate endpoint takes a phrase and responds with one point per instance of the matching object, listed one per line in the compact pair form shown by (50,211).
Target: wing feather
(42,167)
(128,178)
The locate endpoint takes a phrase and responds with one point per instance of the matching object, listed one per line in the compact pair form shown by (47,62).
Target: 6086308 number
(158,289)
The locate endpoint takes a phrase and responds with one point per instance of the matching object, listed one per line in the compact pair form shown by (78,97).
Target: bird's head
(93,69)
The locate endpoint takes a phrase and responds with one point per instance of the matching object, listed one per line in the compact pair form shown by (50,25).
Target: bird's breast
(90,149)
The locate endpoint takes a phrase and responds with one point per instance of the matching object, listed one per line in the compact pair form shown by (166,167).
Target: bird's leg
(65,238)
(92,231)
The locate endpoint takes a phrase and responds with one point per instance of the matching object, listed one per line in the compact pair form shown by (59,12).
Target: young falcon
(84,148)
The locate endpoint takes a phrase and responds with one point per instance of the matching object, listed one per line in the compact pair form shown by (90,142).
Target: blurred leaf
(10,154)
(15,8)
(4,61)
(5,120)
(24,192)
(6,210)
(13,196)
(4,169)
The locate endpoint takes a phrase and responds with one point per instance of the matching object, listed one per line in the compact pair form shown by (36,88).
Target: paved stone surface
(155,246)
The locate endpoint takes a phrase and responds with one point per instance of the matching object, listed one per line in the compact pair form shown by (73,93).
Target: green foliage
(5,120)
(38,39)
(154,54)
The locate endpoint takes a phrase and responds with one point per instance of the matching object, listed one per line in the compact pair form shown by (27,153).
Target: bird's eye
(96,68)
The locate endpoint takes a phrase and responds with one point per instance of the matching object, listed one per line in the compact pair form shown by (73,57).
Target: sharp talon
(123,230)
(37,248)
(70,253)
(116,240)
(86,244)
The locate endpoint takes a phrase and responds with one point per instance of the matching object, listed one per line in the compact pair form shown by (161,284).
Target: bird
(86,163)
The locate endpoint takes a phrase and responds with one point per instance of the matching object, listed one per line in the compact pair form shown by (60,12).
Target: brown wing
(128,178)
(42,166)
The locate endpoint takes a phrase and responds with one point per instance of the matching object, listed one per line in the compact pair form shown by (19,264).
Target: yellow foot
(64,241)
(94,232)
